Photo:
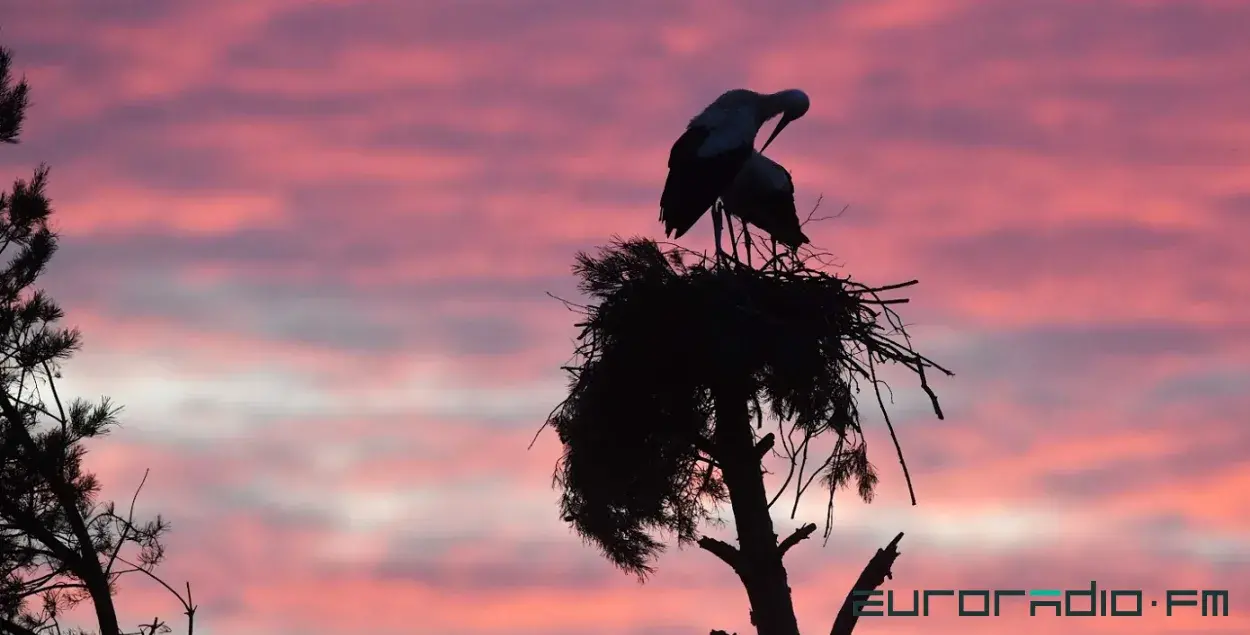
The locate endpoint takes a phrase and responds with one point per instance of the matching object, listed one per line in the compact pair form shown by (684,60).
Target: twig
(188,607)
(791,454)
(890,426)
(807,437)
(859,288)
(572,306)
(802,533)
(127,524)
(55,397)
(819,198)
(189,611)
(924,385)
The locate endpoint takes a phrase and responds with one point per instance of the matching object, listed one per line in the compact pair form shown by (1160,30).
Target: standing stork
(707,158)
(763,195)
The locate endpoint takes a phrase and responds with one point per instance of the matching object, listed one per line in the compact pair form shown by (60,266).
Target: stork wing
(761,176)
(695,181)
(763,195)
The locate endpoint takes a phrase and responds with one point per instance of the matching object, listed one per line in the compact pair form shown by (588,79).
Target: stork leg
(746,240)
(716,229)
(733,239)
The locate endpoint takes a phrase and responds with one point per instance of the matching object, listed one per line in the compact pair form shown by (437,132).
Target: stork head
(792,104)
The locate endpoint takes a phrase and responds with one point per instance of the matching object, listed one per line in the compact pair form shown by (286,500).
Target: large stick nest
(637,423)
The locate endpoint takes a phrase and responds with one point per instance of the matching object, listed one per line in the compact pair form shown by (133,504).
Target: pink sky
(308,244)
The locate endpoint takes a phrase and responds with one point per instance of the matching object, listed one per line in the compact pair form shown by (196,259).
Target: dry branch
(723,550)
(872,577)
(802,533)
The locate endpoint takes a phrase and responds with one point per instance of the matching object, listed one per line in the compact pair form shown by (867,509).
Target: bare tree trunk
(759,562)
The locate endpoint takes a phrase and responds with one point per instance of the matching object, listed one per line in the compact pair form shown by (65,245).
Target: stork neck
(770,106)
(778,104)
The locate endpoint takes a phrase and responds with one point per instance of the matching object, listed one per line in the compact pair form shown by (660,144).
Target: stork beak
(785,120)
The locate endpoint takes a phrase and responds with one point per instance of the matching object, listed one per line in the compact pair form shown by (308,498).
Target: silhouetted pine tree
(677,367)
(59,546)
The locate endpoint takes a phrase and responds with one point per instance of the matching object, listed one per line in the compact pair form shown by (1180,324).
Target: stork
(763,195)
(706,159)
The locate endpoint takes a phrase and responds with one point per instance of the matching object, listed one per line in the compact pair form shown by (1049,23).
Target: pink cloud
(308,245)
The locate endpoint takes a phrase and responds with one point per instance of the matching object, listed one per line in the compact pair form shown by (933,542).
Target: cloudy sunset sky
(309,245)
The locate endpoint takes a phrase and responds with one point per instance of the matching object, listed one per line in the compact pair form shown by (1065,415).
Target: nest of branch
(663,335)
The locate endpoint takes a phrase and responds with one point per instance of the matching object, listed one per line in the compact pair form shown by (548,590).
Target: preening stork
(716,145)
(763,195)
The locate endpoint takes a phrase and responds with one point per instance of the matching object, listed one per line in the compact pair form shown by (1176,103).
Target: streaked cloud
(310,246)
